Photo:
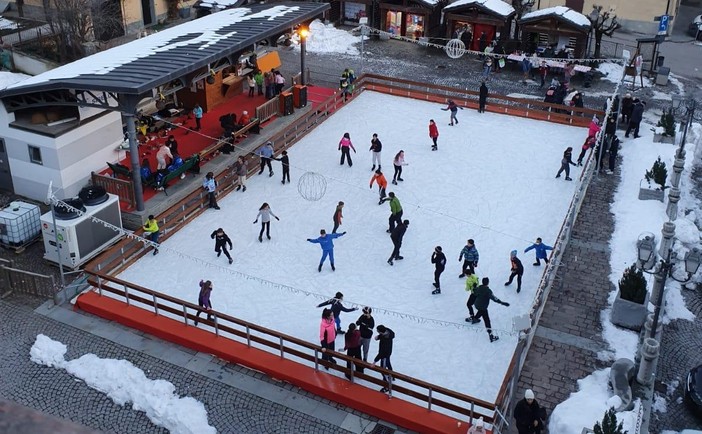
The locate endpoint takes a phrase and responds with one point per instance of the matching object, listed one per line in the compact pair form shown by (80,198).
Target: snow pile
(325,38)
(611,72)
(564,12)
(659,404)
(588,405)
(9,78)
(123,382)
(499,7)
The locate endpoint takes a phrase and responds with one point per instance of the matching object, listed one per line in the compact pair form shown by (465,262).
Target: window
(35,155)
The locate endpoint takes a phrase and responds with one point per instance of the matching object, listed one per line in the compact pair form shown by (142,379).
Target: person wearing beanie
(337,307)
(529,415)
(517,269)
(327,336)
(483,295)
(395,211)
(469,255)
(366,323)
(478,427)
(439,260)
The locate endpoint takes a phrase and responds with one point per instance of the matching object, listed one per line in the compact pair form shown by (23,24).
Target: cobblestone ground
(57,393)
(569,335)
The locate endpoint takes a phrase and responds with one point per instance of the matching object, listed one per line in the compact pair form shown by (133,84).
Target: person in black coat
(613,151)
(385,337)
(366,324)
(529,415)
(285,160)
(517,269)
(566,162)
(483,97)
(636,116)
(337,307)
(439,260)
(396,236)
(221,241)
(627,107)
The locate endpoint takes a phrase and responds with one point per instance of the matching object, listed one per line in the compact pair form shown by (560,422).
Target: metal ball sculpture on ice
(312,186)
(455,48)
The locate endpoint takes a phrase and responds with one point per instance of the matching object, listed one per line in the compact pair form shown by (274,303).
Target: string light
(291,289)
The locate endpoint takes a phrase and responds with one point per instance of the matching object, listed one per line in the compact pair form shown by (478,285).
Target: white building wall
(67,160)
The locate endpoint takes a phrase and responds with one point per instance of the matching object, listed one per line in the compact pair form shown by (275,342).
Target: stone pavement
(237,400)
(569,335)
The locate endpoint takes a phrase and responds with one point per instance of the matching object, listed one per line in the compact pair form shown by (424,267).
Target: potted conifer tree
(664,132)
(629,309)
(652,187)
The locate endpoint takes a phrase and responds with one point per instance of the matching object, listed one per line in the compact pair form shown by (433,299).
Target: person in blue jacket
(540,250)
(266,153)
(326,241)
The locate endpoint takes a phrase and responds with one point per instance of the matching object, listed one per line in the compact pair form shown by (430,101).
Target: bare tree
(520,7)
(603,23)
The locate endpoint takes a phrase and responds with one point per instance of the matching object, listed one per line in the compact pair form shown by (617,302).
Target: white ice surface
(125,383)
(495,187)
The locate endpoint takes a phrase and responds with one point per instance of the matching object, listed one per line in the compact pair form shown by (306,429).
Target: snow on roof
(566,13)
(499,7)
(199,34)
(10,78)
(6,24)
(222,4)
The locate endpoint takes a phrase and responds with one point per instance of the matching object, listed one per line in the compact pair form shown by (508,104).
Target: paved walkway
(570,332)
(237,400)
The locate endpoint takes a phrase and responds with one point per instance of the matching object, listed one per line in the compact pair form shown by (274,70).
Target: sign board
(626,54)
(663,25)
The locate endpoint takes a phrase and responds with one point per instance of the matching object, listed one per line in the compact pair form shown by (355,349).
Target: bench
(120,169)
(187,165)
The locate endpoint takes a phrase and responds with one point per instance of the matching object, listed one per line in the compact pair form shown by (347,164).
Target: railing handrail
(155,295)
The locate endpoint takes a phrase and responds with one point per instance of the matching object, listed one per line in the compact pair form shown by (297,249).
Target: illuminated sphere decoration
(455,48)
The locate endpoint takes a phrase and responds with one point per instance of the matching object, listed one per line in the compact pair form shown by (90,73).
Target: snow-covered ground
(486,182)
(125,384)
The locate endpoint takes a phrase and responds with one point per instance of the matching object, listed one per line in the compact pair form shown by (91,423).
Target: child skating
(454,110)
(379,178)
(326,242)
(433,134)
(337,307)
(540,250)
(285,160)
(516,270)
(221,242)
(338,216)
(265,213)
(398,162)
(439,260)
(345,146)
(376,147)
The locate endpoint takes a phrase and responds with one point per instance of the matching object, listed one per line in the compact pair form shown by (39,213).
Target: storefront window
(354,11)
(393,22)
(415,26)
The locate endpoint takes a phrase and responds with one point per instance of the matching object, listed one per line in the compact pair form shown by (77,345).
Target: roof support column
(134,153)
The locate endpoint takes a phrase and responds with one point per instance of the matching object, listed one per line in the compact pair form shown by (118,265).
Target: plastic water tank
(20,223)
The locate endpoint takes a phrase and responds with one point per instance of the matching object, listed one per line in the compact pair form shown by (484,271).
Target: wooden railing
(290,347)
(16,280)
(121,187)
(267,110)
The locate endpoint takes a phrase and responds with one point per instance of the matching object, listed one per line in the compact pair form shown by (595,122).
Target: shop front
(352,12)
(477,22)
(555,32)
(410,19)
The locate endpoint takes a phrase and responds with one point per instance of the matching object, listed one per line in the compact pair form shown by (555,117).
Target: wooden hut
(477,22)
(555,28)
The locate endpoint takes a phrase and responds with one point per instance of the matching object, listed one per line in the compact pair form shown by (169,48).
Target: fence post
(282,350)
(248,336)
(216,324)
(155,304)
(429,400)
(99,283)
(316,360)
(185,314)
(126,293)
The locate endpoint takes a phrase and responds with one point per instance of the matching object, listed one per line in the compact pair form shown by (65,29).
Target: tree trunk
(598,44)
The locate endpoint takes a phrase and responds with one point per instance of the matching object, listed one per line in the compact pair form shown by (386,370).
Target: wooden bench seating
(187,165)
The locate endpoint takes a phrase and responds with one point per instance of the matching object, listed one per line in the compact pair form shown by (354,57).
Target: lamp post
(304,33)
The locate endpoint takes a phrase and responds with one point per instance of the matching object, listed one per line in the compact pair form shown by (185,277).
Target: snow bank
(587,406)
(123,383)
(325,38)
(9,78)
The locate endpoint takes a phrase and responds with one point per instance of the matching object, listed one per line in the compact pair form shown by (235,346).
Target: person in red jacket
(382,184)
(434,134)
(352,345)
(338,216)
(327,335)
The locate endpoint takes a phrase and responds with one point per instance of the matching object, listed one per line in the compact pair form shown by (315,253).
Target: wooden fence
(120,187)
(16,280)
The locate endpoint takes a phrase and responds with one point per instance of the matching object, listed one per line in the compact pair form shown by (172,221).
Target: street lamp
(303,32)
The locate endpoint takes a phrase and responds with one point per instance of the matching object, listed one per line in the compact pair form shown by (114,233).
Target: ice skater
(338,216)
(151,232)
(366,324)
(472,283)
(385,337)
(470,256)
(241,171)
(439,260)
(327,336)
(285,161)
(265,213)
(221,242)
(516,270)
(589,144)
(376,147)
(454,110)
(326,242)
(566,162)
(433,134)
(483,295)
(382,184)
(398,162)
(345,146)
(203,300)
(540,250)
(266,153)
(396,237)
(395,211)
(337,307)
(210,185)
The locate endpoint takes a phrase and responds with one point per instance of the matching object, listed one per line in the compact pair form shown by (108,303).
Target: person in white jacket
(265,214)
(161,155)
(478,427)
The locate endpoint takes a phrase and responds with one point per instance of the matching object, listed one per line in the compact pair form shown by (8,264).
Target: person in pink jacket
(345,146)
(594,127)
(327,335)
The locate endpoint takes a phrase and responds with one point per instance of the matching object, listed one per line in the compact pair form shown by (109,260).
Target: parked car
(693,390)
(695,28)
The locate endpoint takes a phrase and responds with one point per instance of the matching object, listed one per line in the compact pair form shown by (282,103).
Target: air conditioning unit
(80,238)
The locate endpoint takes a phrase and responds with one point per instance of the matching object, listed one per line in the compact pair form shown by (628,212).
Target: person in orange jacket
(382,184)
(434,134)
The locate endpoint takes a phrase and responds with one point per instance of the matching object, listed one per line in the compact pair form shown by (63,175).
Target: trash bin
(660,60)
(662,75)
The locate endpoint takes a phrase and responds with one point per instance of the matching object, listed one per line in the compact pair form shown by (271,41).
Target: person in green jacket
(472,282)
(483,295)
(151,232)
(395,211)
(258,78)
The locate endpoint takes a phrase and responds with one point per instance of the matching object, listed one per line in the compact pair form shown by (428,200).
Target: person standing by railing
(151,232)
(203,300)
(366,323)
(210,184)
(327,335)
(385,337)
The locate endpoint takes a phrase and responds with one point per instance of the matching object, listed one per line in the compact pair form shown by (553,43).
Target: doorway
(147,12)
(5,174)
